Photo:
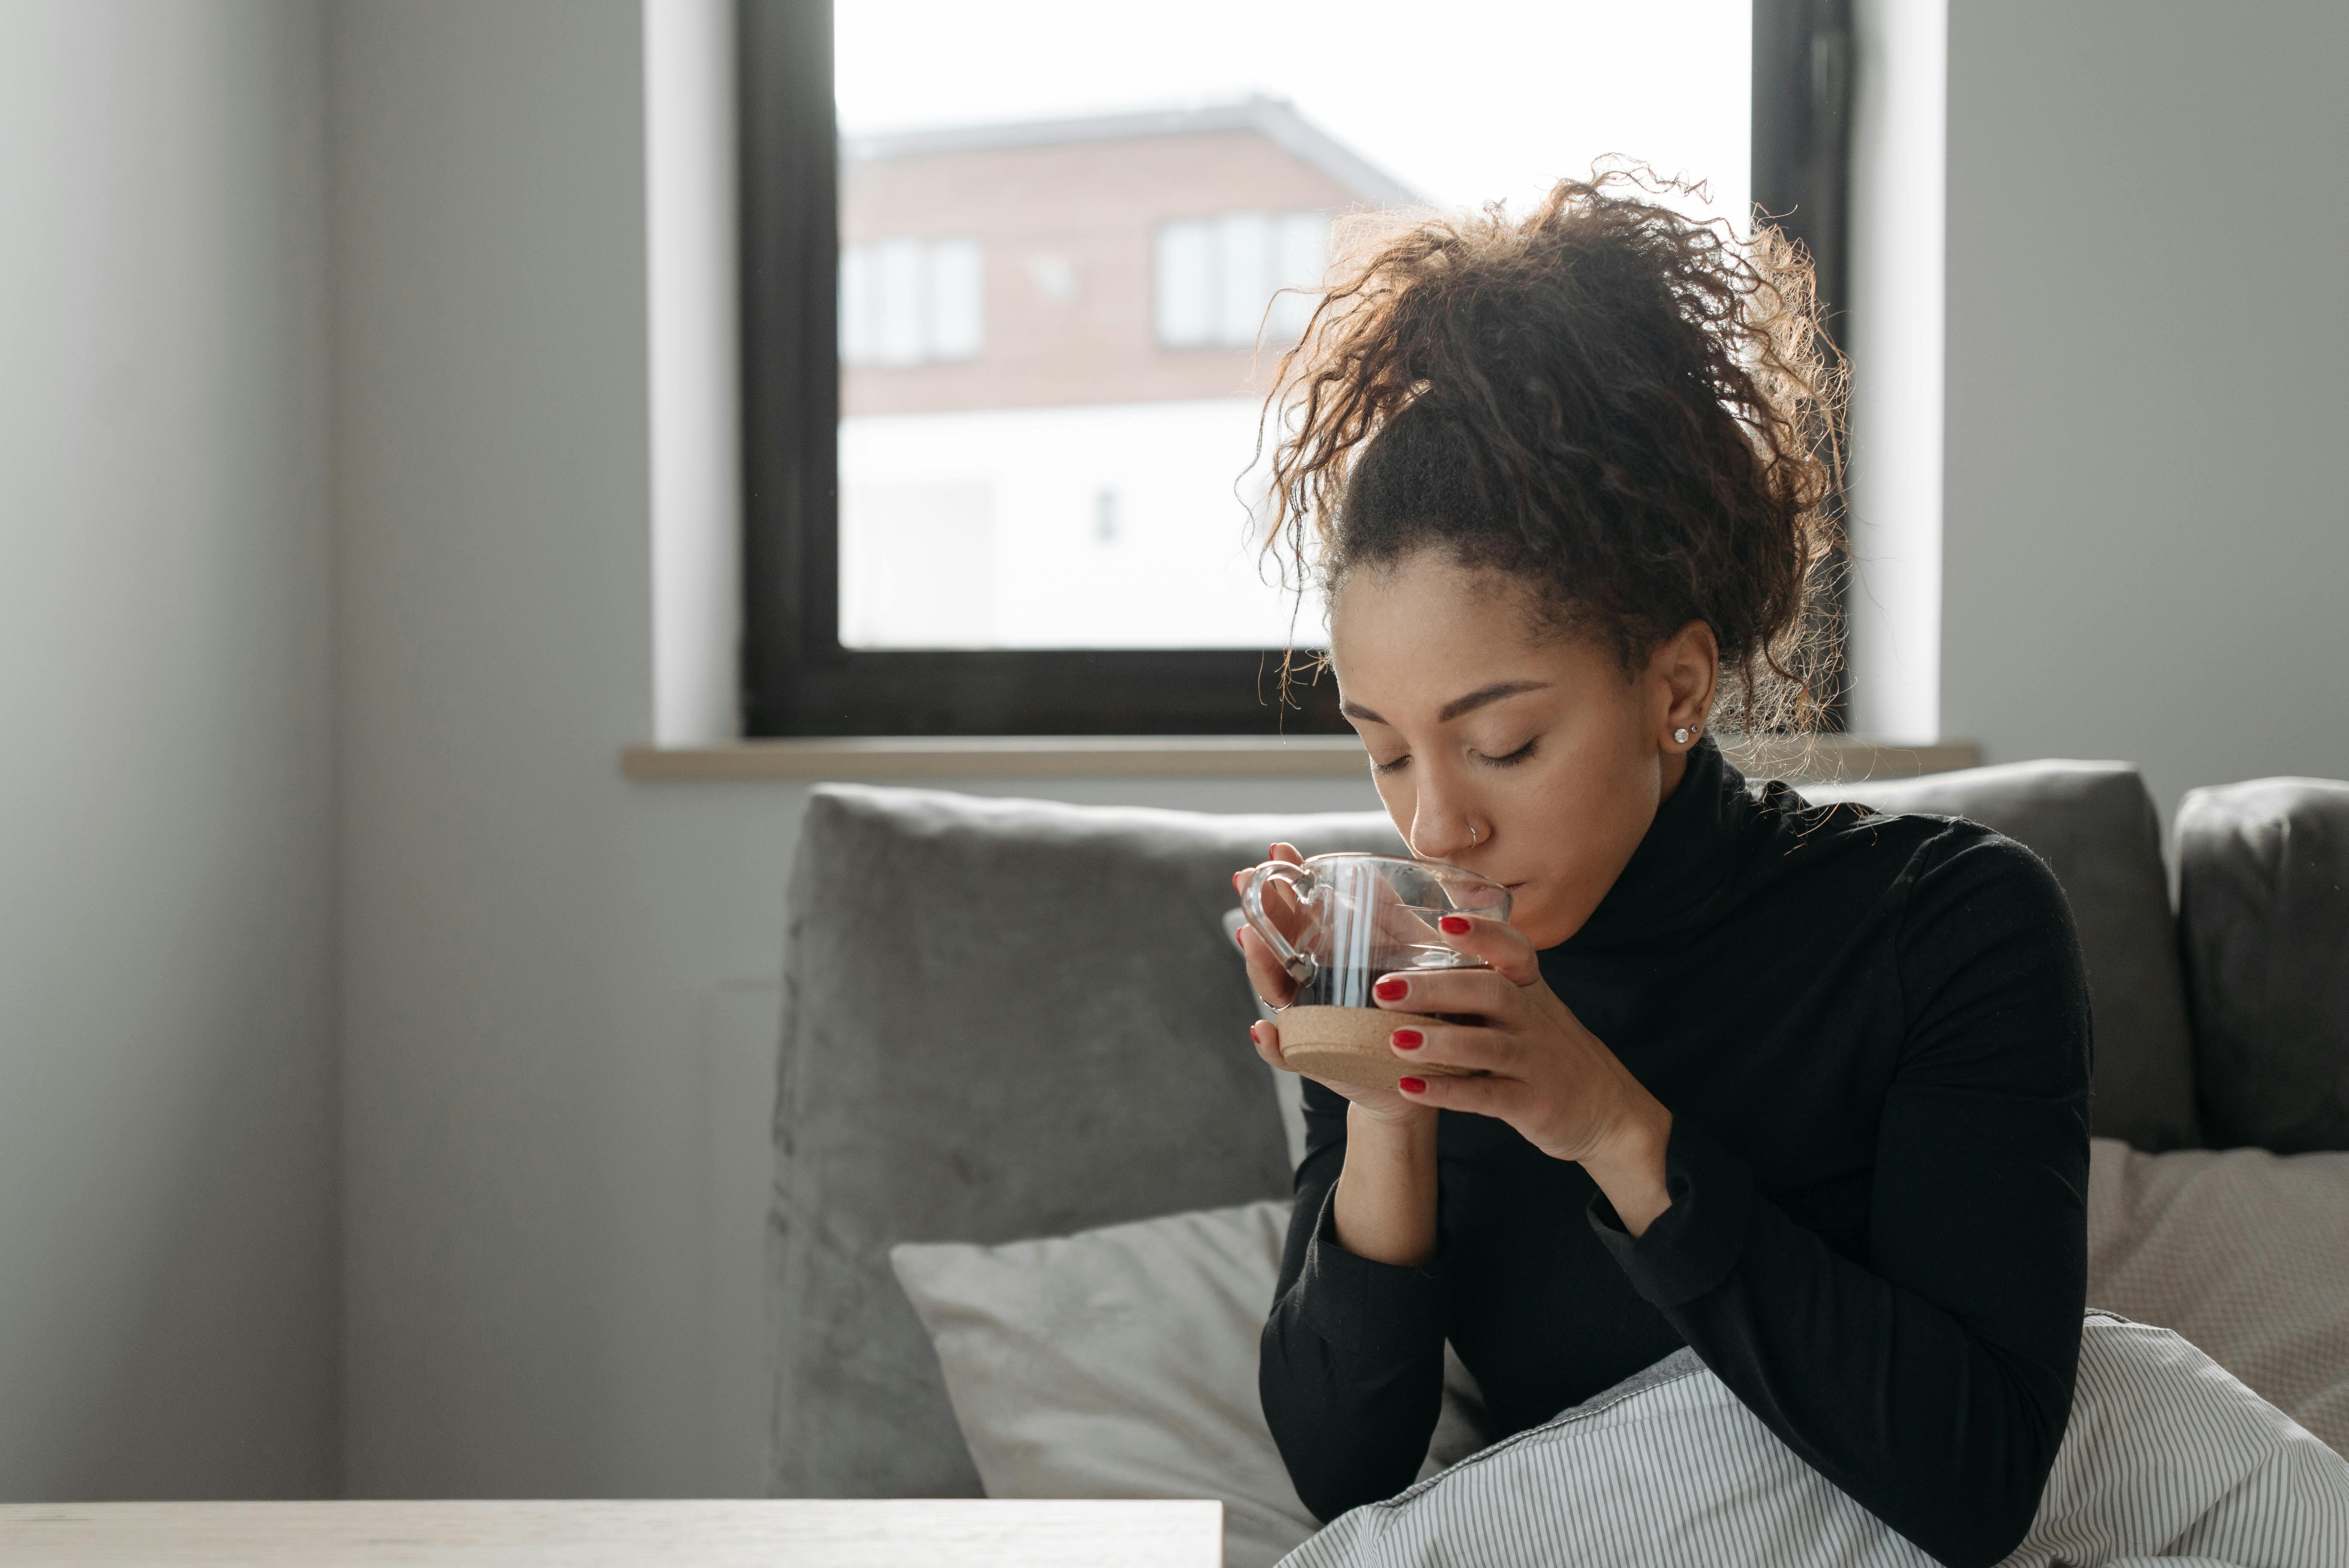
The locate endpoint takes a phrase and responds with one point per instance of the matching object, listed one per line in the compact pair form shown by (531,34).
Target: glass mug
(1337,923)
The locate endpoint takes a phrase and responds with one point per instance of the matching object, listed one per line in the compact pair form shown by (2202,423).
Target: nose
(1441,833)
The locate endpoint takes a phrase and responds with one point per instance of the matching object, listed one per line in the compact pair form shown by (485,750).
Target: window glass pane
(1182,284)
(1302,247)
(1064,228)
(1243,275)
(957,288)
(859,308)
(897,269)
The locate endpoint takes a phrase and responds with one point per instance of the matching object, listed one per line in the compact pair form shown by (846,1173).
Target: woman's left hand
(1535,1067)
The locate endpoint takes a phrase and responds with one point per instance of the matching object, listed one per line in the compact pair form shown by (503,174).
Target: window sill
(1183,757)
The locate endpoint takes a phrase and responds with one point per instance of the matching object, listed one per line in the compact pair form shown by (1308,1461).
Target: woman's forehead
(1420,644)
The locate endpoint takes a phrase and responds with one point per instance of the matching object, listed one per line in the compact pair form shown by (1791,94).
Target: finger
(1484,992)
(1496,941)
(1276,985)
(1494,1096)
(1284,852)
(1462,1046)
(1267,1041)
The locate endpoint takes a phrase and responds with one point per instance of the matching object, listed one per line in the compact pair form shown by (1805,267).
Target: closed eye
(1394,767)
(1514,757)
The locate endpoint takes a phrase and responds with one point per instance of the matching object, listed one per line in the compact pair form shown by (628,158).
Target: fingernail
(1455,925)
(1411,1084)
(1254,1035)
(1409,1039)
(1391,990)
(1239,939)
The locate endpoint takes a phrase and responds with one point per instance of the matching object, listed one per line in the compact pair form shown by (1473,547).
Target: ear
(1681,675)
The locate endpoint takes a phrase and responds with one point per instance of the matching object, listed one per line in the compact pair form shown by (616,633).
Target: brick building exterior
(1068,219)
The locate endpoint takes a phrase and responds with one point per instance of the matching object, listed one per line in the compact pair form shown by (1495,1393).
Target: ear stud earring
(1680,736)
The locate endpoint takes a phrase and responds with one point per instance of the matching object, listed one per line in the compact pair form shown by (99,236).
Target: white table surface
(765,1533)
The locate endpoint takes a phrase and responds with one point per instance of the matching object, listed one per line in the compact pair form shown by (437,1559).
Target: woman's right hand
(1277,988)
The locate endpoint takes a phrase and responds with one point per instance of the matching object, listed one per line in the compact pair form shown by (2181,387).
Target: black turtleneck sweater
(1872,1032)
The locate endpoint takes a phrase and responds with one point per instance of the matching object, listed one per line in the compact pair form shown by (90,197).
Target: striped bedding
(2168,1459)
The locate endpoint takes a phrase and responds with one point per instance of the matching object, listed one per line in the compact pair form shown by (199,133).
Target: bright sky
(1464,101)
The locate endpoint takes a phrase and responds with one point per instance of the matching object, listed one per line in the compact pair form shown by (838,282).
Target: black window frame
(797,678)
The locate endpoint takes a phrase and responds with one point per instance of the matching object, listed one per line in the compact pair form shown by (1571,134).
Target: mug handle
(1299,965)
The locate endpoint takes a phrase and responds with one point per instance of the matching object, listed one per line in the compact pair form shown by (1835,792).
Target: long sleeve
(1351,1370)
(1932,1383)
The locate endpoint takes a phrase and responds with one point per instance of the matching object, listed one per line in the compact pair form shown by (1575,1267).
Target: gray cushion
(2095,826)
(1002,1019)
(2264,918)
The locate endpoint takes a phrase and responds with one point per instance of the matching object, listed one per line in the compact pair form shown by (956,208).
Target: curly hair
(1631,412)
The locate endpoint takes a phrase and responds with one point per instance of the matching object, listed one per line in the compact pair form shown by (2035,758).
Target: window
(1014,277)
(911,301)
(1223,281)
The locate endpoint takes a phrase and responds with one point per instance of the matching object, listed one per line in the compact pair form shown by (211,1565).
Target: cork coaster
(1349,1045)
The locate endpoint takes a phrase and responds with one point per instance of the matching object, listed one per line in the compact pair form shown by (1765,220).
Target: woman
(1803,1088)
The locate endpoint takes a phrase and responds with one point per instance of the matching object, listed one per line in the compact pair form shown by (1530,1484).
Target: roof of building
(1275,119)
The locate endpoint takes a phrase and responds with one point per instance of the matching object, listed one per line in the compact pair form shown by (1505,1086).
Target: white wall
(2146,538)
(168,1301)
(695,368)
(559,987)
(1894,334)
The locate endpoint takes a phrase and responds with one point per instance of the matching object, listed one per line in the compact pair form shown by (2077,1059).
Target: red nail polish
(1409,1039)
(1455,925)
(1411,1084)
(1391,990)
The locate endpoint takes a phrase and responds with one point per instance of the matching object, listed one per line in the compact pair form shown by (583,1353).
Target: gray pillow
(2244,1252)
(1122,1363)
(2263,916)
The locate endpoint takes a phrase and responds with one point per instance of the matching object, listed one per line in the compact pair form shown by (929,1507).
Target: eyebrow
(1457,706)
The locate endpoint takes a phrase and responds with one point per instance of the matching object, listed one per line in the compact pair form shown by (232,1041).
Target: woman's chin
(1546,914)
(1536,918)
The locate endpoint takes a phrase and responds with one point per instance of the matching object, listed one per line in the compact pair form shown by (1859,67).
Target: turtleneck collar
(1690,856)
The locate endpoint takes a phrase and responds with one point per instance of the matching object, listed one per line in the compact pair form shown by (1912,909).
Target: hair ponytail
(1632,412)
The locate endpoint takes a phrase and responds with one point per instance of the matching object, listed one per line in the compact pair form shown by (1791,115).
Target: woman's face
(1531,759)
